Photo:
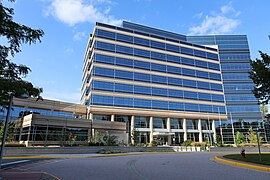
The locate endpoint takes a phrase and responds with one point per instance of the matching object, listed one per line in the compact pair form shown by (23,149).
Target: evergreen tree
(240,138)
(12,74)
(260,75)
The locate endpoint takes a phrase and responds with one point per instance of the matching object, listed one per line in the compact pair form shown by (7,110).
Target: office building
(163,87)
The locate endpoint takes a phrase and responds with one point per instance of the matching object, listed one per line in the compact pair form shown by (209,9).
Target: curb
(237,163)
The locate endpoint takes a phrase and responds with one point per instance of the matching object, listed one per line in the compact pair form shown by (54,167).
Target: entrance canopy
(163,133)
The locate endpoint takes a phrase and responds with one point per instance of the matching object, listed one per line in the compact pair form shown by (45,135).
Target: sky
(57,61)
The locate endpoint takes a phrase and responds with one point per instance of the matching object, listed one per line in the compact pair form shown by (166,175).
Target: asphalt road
(144,167)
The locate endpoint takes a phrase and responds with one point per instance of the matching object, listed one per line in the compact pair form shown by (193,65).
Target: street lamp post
(6,128)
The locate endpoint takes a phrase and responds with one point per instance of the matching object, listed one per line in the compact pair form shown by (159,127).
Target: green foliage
(154,143)
(240,138)
(260,75)
(11,74)
(10,132)
(187,143)
(111,140)
(252,137)
(198,144)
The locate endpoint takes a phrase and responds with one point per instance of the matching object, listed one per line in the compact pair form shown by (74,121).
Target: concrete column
(132,127)
(151,129)
(185,129)
(214,131)
(90,115)
(169,130)
(112,117)
(200,130)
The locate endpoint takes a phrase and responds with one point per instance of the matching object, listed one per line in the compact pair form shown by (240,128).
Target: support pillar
(112,117)
(151,129)
(214,131)
(169,130)
(200,130)
(185,129)
(132,127)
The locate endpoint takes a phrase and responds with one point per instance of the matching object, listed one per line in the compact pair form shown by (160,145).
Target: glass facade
(241,104)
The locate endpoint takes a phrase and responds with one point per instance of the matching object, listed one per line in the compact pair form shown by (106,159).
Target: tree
(260,75)
(134,135)
(10,133)
(12,74)
(252,137)
(240,138)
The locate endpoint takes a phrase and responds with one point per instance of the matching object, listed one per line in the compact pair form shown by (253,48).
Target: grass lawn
(253,158)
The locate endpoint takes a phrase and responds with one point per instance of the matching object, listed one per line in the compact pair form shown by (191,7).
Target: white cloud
(78,36)
(218,23)
(199,15)
(72,12)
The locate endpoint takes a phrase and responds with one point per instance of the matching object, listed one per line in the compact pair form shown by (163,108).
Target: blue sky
(56,63)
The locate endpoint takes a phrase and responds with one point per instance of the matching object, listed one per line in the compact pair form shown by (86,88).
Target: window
(212,56)
(158,67)
(159,123)
(213,66)
(142,90)
(158,45)
(141,65)
(175,93)
(190,95)
(121,101)
(123,74)
(101,100)
(124,49)
(199,63)
(205,108)
(124,62)
(215,76)
(105,34)
(141,41)
(203,85)
(173,48)
(191,107)
(175,81)
(187,51)
(217,97)
(192,124)
(202,74)
(216,87)
(176,123)
(141,53)
(142,103)
(189,83)
(177,106)
(157,55)
(159,79)
(159,92)
(141,122)
(105,46)
(104,58)
(199,53)
(187,61)
(141,77)
(128,88)
(159,104)
(174,70)
(188,72)
(124,38)
(204,96)
(101,117)
(173,59)
(98,71)
(101,85)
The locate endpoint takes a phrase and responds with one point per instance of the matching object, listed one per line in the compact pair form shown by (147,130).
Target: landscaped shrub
(187,143)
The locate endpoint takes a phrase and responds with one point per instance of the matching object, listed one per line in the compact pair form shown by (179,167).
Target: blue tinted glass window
(104,58)
(158,67)
(174,70)
(142,90)
(141,65)
(159,79)
(203,85)
(175,93)
(215,76)
(157,55)
(176,106)
(124,62)
(101,100)
(124,38)
(175,81)
(204,96)
(185,50)
(191,107)
(123,74)
(205,108)
(174,59)
(121,101)
(199,63)
(190,95)
(98,71)
(141,77)
(202,74)
(212,56)
(119,87)
(173,48)
(105,46)
(105,34)
(216,87)
(158,45)
(101,85)
(141,41)
(142,103)
(159,104)
(188,72)
(217,97)
(221,109)
(187,61)
(189,83)
(124,49)
(213,66)
(159,92)
(141,53)
(199,53)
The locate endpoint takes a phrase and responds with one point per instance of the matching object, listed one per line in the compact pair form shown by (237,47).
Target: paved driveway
(147,166)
